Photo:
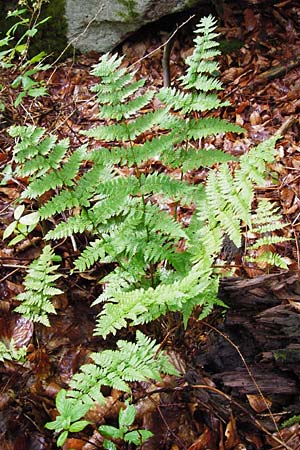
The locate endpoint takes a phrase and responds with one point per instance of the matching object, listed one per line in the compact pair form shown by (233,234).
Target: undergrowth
(161,265)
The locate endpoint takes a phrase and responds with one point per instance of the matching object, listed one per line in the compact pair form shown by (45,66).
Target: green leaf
(109,445)
(19,98)
(137,437)
(52,426)
(111,432)
(60,401)
(38,92)
(127,416)
(19,211)
(16,240)
(30,219)
(62,438)
(10,229)
(78,426)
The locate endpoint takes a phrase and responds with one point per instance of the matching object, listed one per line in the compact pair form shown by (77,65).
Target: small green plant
(9,352)
(70,411)
(21,226)
(123,432)
(14,52)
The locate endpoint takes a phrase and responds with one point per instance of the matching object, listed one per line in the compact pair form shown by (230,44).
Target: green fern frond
(39,164)
(141,306)
(253,163)
(264,222)
(81,194)
(267,240)
(119,111)
(266,218)
(73,225)
(200,74)
(107,66)
(39,288)
(93,253)
(63,176)
(195,159)
(272,259)
(127,131)
(189,101)
(139,361)
(209,126)
(168,186)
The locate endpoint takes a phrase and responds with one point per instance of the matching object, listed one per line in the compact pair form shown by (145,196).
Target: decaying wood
(264,321)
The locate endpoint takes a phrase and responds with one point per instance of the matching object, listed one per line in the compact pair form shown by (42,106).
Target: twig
(277,71)
(166,61)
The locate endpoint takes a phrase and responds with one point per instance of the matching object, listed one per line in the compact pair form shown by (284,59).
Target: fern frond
(267,240)
(209,126)
(194,159)
(39,164)
(63,176)
(253,163)
(189,101)
(120,111)
(107,66)
(266,218)
(75,224)
(127,131)
(141,306)
(139,361)
(168,186)
(269,258)
(265,221)
(200,74)
(93,253)
(39,288)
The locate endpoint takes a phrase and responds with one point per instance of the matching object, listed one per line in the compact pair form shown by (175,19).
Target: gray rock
(102,24)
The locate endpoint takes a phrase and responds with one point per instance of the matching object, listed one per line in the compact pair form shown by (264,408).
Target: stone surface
(102,24)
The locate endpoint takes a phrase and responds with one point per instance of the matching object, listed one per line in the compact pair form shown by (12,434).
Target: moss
(130,14)
(191,3)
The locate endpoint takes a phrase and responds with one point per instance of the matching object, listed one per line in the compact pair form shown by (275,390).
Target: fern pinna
(161,264)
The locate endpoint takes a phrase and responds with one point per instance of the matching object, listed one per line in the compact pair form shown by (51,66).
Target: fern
(141,306)
(131,361)
(9,352)
(161,263)
(39,288)
(265,221)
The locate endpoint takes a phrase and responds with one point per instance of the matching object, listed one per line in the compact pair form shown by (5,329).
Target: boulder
(100,25)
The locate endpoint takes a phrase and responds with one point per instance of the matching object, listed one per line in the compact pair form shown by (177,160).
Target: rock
(101,25)
(97,25)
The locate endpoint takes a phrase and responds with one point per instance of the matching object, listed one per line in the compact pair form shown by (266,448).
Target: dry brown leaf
(250,18)
(232,437)
(203,442)
(259,403)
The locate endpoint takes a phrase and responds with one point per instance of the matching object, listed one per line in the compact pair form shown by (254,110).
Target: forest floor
(242,373)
